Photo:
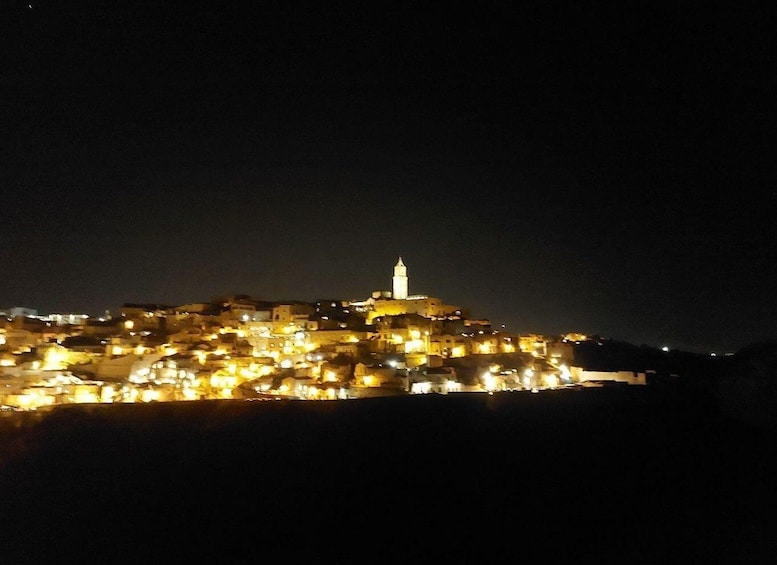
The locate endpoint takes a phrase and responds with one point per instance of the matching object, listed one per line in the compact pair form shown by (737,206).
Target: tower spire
(399,281)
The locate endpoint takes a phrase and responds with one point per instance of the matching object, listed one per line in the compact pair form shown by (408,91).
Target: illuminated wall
(426,306)
(292,312)
(399,281)
(630,377)
(533,343)
(448,346)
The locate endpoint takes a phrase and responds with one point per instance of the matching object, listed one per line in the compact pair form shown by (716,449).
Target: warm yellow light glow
(85,396)
(484,348)
(508,347)
(116,350)
(458,351)
(223,381)
(129,324)
(54,359)
(396,338)
(107,393)
(330,376)
(149,395)
(25,401)
(453,386)
(415,334)
(7,363)
(551,381)
(528,373)
(575,337)
(370,380)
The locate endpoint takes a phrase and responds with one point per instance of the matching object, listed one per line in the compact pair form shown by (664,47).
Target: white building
(399,281)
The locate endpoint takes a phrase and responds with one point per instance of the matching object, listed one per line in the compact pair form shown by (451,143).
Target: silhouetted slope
(631,475)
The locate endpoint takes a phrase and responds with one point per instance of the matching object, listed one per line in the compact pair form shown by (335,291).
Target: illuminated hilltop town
(238,347)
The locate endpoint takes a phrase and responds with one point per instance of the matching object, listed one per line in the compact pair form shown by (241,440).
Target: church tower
(400,281)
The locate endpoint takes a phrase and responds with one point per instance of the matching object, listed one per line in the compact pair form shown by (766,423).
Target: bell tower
(399,281)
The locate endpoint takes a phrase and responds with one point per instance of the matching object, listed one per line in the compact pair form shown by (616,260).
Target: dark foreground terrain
(626,475)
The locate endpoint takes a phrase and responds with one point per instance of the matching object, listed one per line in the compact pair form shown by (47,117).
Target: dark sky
(551,166)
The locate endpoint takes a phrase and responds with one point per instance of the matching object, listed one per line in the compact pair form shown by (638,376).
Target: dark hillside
(627,475)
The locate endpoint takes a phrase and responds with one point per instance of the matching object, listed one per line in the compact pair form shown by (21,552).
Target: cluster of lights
(157,376)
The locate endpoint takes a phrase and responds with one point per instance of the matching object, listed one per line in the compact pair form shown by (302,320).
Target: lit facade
(399,281)
(238,347)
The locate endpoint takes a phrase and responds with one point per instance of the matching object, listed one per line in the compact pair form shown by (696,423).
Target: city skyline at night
(500,320)
(322,282)
(588,169)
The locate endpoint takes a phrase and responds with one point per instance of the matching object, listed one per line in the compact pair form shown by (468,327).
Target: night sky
(552,167)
